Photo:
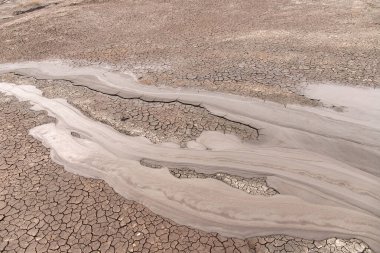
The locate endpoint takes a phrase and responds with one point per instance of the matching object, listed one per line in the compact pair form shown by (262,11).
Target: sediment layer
(319,183)
(254,186)
(44,208)
(159,122)
(259,48)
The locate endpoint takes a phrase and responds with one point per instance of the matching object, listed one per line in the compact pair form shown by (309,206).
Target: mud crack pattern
(254,185)
(280,243)
(158,121)
(257,48)
(43,208)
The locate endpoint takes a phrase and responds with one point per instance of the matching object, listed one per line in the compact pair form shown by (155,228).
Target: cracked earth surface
(43,208)
(254,186)
(258,48)
(265,49)
(159,122)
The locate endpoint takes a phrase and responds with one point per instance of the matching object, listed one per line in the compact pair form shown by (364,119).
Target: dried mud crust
(257,48)
(254,186)
(43,208)
(158,121)
(281,243)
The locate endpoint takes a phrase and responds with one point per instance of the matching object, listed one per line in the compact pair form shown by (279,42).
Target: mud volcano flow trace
(200,126)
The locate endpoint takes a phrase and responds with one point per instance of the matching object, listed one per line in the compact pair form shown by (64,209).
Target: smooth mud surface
(323,162)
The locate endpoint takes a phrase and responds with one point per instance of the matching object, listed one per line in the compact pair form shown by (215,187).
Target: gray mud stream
(325,164)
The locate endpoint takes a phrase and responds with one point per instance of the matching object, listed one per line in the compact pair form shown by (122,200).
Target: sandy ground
(267,105)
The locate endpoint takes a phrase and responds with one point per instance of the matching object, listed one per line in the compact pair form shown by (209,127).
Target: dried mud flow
(159,122)
(43,208)
(322,179)
(255,48)
(190,126)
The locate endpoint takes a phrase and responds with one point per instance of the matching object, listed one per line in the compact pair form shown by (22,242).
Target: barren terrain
(197,126)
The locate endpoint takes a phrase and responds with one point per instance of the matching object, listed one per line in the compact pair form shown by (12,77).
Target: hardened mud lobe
(158,121)
(45,208)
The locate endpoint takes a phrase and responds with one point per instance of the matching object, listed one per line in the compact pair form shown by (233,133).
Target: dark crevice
(75,134)
(125,118)
(31,9)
